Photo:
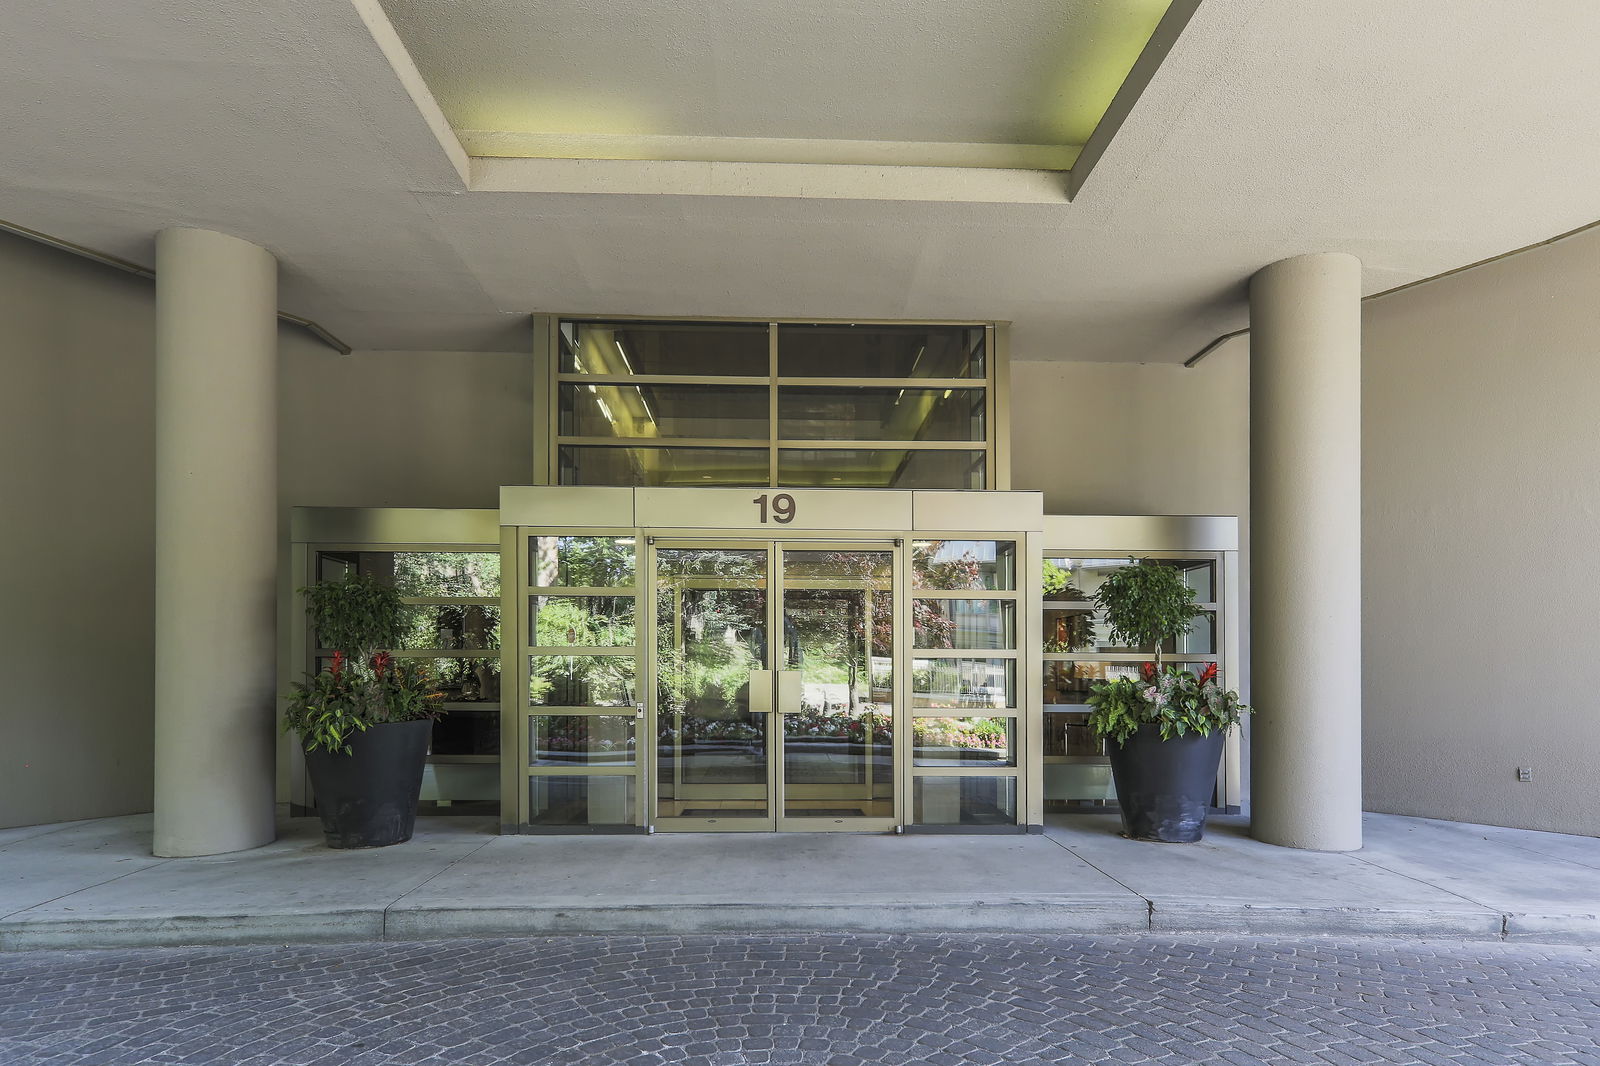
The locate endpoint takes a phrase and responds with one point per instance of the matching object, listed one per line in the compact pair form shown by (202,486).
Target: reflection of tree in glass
(474,574)
(583,562)
(581,681)
(711,629)
(452,625)
(572,621)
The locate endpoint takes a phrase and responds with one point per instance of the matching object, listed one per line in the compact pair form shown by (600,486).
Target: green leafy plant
(363,685)
(1147,605)
(1177,702)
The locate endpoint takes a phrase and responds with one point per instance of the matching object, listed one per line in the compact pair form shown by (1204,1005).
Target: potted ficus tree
(365,719)
(1163,729)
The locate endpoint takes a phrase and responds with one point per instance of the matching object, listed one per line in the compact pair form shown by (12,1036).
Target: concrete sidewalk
(95,884)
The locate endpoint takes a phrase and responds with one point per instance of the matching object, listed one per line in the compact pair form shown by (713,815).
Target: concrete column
(1305,533)
(216,556)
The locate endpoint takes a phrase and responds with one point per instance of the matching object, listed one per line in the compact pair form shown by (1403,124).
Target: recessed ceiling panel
(1012,83)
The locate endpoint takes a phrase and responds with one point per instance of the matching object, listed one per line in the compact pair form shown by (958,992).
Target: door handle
(760,691)
(791,691)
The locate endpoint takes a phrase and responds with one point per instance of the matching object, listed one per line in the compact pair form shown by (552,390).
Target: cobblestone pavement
(807,999)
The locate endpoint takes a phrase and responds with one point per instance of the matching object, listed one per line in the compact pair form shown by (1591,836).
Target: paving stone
(948,1000)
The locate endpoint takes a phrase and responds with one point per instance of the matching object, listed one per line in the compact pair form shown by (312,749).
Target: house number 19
(782,508)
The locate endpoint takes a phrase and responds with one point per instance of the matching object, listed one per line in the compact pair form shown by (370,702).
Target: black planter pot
(1165,786)
(368,799)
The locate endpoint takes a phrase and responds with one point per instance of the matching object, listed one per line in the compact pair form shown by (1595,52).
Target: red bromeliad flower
(1148,670)
(338,663)
(380,662)
(1209,673)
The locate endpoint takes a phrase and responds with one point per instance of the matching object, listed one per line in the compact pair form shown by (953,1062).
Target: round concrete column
(1305,534)
(216,557)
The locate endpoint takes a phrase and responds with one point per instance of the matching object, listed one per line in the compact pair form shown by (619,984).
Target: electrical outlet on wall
(1524,773)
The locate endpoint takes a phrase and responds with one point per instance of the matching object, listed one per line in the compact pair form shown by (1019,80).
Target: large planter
(1165,786)
(368,799)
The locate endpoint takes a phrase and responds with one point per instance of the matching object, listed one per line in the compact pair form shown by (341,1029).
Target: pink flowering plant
(363,684)
(1147,605)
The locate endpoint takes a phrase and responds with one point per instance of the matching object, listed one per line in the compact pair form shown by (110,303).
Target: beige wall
(1131,438)
(403,429)
(77,482)
(77,527)
(1481,541)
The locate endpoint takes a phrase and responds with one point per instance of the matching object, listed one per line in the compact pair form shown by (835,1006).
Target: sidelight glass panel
(960,565)
(587,739)
(1067,733)
(964,741)
(964,800)
(581,681)
(702,349)
(663,467)
(1069,682)
(582,562)
(882,468)
(979,625)
(724,411)
(582,621)
(820,413)
(465,574)
(892,351)
(985,683)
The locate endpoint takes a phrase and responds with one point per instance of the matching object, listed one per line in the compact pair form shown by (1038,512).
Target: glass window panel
(1082,579)
(705,349)
(451,626)
(1091,633)
(580,800)
(964,800)
(866,468)
(1201,638)
(582,562)
(466,733)
(431,573)
(1069,734)
(724,411)
(589,739)
(1069,681)
(865,351)
(465,680)
(655,467)
(459,789)
(986,683)
(964,741)
(979,625)
(1068,631)
(583,621)
(817,413)
(960,565)
(1071,578)
(581,681)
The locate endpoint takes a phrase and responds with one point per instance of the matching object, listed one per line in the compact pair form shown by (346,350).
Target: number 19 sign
(779,508)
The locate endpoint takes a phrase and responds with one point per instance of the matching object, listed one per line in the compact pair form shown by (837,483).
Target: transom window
(779,404)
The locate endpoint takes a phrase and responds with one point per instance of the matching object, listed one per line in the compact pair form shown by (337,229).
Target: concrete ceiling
(1419,136)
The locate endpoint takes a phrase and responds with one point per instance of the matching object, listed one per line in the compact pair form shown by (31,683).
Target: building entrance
(772,704)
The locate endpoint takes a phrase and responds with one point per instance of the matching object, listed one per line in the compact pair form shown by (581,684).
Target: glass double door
(773,697)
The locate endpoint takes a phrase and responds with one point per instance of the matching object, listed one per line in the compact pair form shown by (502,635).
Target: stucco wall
(77,496)
(77,527)
(1481,543)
